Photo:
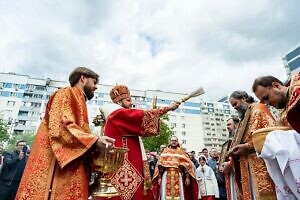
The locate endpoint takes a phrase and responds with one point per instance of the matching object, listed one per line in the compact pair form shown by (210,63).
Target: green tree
(3,131)
(153,143)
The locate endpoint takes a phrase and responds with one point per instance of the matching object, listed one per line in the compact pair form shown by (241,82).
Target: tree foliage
(153,143)
(3,131)
(28,137)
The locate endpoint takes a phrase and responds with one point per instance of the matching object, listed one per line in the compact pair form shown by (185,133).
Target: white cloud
(168,45)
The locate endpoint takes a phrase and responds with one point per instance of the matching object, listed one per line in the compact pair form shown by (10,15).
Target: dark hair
(20,142)
(81,71)
(173,136)
(234,119)
(242,94)
(202,158)
(265,81)
(204,149)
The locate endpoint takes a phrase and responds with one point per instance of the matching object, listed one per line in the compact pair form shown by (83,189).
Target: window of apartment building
(183,125)
(23,113)
(183,141)
(36,105)
(10,103)
(26,104)
(22,122)
(33,113)
(13,94)
(40,87)
(7,85)
(210,104)
(226,106)
(210,110)
(173,125)
(38,96)
(30,87)
(28,95)
(183,133)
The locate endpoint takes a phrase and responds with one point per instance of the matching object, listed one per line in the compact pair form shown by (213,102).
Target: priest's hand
(159,181)
(227,167)
(105,143)
(240,149)
(187,181)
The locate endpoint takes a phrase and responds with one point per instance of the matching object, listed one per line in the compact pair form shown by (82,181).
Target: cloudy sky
(173,46)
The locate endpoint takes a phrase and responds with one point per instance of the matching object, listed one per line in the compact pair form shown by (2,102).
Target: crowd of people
(56,166)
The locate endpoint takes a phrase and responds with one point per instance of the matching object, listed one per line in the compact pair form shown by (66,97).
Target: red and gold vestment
(125,126)
(177,165)
(56,168)
(249,165)
(293,104)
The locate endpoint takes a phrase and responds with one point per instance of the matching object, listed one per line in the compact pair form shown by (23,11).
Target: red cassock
(125,126)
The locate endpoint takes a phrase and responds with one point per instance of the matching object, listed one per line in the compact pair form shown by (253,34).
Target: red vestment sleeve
(134,122)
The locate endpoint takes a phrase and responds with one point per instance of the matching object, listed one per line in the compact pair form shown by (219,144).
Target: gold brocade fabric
(150,121)
(55,168)
(172,183)
(290,115)
(172,160)
(250,164)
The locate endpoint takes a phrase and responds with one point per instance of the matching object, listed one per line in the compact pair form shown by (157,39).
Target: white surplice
(281,153)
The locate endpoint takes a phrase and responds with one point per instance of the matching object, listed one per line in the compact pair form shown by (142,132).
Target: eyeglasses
(174,140)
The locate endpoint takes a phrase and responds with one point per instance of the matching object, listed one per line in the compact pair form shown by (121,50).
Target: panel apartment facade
(196,123)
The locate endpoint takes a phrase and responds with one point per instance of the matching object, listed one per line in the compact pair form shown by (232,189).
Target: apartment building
(196,123)
(292,62)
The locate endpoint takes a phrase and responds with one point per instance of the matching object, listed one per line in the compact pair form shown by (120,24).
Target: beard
(89,93)
(242,110)
(282,103)
(231,133)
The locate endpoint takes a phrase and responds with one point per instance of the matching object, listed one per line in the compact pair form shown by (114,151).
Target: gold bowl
(259,136)
(104,163)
